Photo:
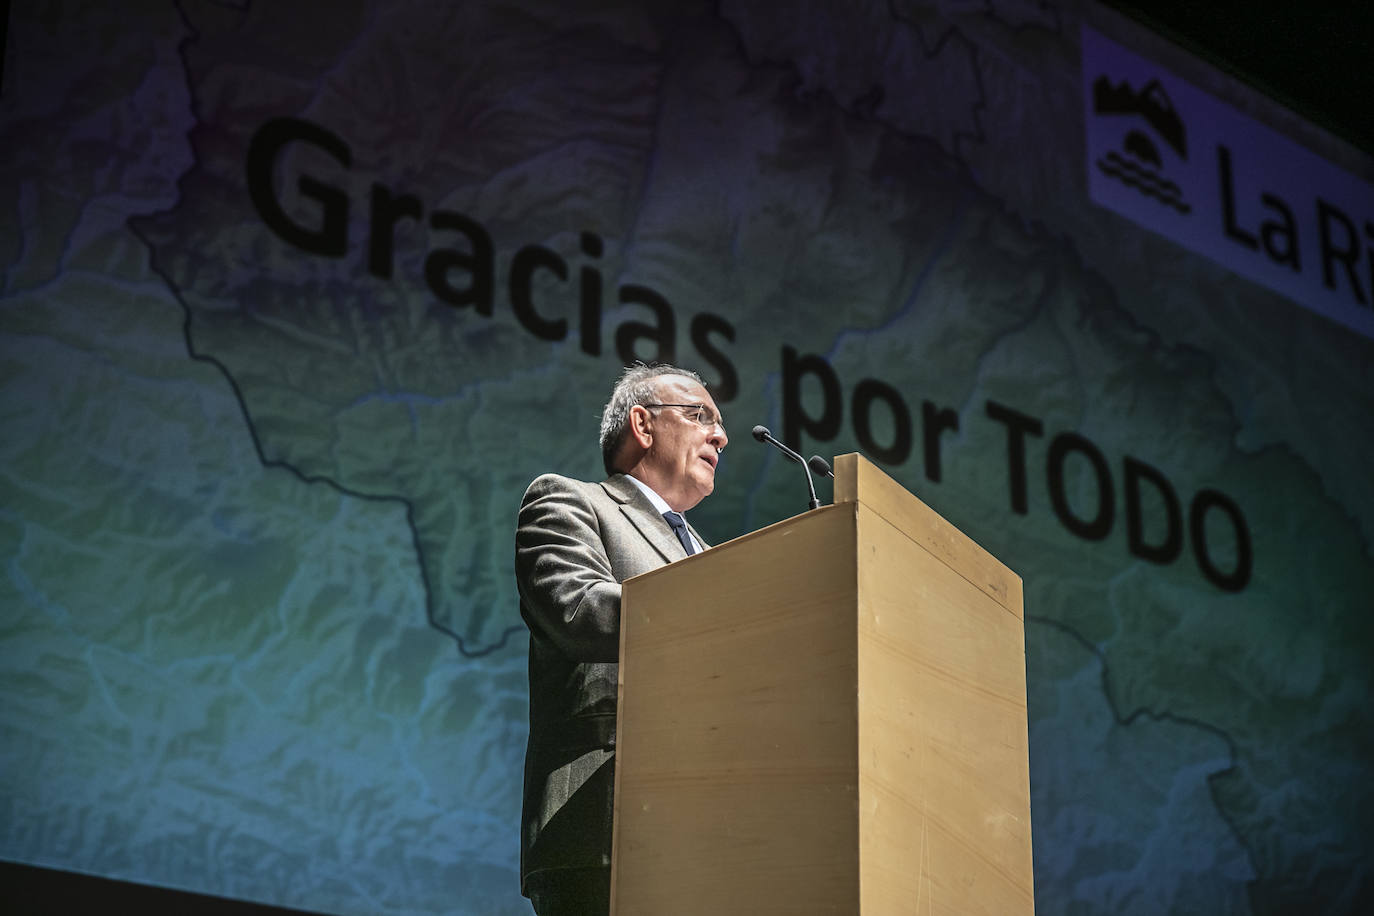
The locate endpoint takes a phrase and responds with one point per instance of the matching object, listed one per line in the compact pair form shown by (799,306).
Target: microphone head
(761,433)
(819,465)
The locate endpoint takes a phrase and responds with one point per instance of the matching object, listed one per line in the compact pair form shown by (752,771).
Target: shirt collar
(659,502)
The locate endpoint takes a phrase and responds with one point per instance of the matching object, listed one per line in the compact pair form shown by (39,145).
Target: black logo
(1141,165)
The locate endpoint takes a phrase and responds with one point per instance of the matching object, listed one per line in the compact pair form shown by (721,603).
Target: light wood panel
(943,781)
(736,753)
(826,716)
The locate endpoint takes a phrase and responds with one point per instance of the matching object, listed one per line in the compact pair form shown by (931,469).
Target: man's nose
(718,437)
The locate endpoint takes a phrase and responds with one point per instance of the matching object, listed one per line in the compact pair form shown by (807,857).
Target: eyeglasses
(699,413)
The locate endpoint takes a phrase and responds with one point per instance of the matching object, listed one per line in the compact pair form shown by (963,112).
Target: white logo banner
(1187,166)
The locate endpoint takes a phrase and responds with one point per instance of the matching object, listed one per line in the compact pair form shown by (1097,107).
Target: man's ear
(641,426)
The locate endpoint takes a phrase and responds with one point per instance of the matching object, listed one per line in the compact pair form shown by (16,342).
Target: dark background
(1314,58)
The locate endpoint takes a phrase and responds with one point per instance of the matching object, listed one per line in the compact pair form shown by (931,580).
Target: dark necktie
(680,529)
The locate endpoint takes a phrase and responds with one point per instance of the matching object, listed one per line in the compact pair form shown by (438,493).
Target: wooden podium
(825,716)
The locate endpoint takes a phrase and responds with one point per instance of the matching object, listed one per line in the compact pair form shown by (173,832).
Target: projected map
(296,304)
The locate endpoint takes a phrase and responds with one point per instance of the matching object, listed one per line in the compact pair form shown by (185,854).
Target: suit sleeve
(568,591)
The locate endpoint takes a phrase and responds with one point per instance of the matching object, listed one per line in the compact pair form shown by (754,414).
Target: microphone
(762,434)
(819,465)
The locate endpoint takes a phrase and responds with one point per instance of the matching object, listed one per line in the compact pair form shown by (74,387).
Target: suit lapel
(700,540)
(640,513)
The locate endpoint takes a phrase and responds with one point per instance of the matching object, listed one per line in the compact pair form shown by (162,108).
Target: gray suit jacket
(575,544)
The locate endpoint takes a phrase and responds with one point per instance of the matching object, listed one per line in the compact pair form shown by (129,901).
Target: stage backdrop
(297,298)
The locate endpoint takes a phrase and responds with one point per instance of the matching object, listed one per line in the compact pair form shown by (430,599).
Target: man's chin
(704,489)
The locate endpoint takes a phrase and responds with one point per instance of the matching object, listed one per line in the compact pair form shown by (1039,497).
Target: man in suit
(661,438)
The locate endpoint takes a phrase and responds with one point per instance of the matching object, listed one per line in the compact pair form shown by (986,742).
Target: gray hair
(635,387)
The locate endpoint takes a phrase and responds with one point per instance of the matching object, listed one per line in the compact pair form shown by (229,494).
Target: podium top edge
(862,488)
(859,481)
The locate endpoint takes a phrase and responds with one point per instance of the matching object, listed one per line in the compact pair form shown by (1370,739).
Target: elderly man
(661,438)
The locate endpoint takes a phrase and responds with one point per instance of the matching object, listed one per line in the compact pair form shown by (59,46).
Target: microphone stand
(762,434)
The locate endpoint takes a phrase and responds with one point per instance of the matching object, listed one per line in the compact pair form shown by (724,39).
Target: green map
(260,635)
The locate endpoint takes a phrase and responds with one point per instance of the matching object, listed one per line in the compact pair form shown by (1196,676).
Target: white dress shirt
(662,506)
